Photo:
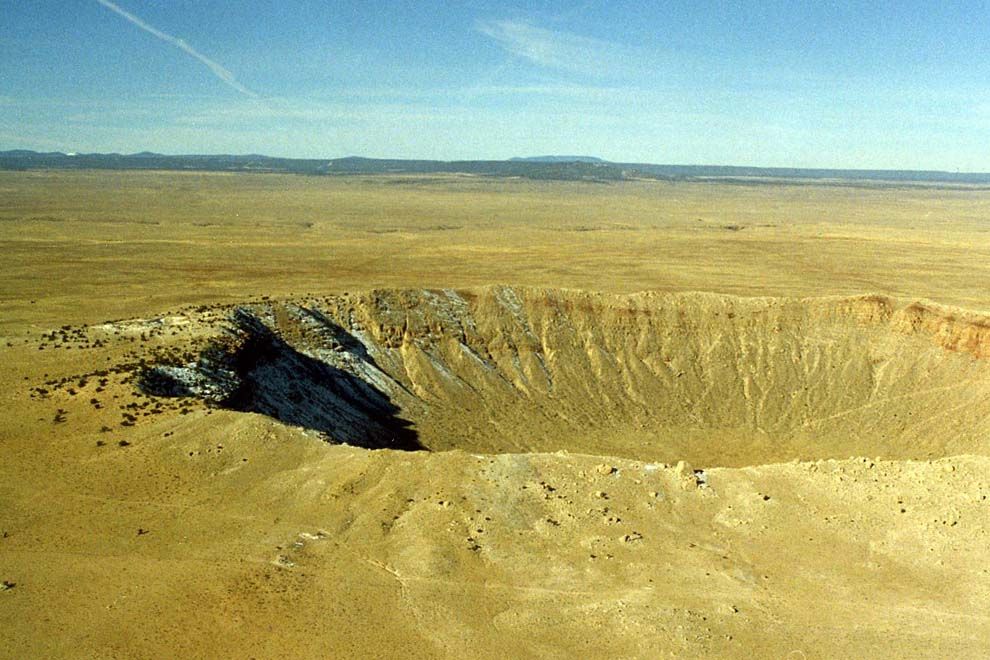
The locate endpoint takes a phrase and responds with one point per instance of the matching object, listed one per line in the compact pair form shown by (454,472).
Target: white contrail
(217,70)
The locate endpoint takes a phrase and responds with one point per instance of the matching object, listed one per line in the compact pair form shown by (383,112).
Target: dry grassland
(89,246)
(664,419)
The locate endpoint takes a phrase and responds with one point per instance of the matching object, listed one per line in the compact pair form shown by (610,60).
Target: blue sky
(819,84)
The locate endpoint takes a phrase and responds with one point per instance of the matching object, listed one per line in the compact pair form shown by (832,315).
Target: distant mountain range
(561,168)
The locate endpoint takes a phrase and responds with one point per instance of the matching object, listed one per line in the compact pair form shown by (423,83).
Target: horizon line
(576,159)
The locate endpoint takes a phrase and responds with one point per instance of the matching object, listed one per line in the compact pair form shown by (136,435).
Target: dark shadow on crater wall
(260,372)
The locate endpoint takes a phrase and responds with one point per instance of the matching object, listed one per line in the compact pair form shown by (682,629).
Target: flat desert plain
(254,415)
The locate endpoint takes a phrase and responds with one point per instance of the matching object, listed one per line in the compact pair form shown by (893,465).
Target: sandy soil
(610,474)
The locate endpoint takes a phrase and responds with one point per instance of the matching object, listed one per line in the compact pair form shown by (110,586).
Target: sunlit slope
(717,380)
(272,544)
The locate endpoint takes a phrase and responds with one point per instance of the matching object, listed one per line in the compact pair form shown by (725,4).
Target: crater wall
(716,380)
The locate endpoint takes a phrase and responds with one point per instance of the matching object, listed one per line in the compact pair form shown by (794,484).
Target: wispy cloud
(565,51)
(584,93)
(220,72)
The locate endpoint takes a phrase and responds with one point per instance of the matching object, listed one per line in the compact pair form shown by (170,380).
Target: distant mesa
(557,159)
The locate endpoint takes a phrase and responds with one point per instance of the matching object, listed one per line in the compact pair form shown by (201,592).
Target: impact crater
(712,379)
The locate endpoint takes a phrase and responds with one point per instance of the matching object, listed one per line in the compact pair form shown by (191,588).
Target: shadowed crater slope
(253,369)
(712,379)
